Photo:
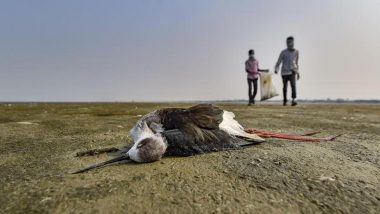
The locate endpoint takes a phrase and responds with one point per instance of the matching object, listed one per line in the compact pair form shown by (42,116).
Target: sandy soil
(38,143)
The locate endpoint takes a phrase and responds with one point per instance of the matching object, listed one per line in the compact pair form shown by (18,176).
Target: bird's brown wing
(193,121)
(183,144)
(205,116)
(196,130)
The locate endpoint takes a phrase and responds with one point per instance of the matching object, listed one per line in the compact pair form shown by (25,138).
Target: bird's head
(148,149)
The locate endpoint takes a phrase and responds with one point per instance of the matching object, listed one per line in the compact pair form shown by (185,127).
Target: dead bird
(199,129)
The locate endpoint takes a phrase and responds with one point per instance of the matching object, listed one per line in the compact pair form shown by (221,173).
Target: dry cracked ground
(38,143)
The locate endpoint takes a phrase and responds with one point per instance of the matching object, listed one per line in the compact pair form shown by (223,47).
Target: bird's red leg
(305,137)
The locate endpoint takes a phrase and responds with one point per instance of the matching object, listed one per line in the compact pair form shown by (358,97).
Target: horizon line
(327,100)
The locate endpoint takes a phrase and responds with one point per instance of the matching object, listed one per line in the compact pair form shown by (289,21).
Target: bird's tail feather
(232,127)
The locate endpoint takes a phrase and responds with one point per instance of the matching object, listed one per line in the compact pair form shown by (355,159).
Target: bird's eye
(142,143)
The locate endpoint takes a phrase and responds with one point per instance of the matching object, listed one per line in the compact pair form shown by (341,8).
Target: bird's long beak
(102,164)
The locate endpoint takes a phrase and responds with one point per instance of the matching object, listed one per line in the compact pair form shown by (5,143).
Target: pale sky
(166,50)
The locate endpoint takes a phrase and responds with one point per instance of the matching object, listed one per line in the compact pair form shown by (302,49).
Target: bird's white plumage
(143,131)
(142,126)
(229,124)
(232,127)
(139,133)
(134,153)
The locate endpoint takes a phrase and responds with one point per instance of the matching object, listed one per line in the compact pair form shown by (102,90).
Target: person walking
(289,70)
(252,69)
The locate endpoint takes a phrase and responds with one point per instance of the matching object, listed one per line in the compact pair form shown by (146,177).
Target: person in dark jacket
(289,70)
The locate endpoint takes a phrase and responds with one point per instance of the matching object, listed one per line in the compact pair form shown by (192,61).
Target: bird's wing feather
(193,121)
(196,130)
(183,144)
(202,116)
(205,116)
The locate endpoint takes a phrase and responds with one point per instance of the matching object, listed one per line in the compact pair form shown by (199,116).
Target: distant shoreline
(316,101)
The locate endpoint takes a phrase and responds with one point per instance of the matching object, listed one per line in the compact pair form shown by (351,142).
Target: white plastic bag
(267,89)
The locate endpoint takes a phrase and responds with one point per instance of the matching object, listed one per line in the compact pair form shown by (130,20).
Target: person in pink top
(252,69)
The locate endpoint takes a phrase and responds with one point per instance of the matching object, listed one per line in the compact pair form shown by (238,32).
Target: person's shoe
(253,102)
(294,103)
(285,103)
(249,104)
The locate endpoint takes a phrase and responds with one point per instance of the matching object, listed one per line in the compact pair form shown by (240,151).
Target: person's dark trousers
(292,79)
(252,94)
